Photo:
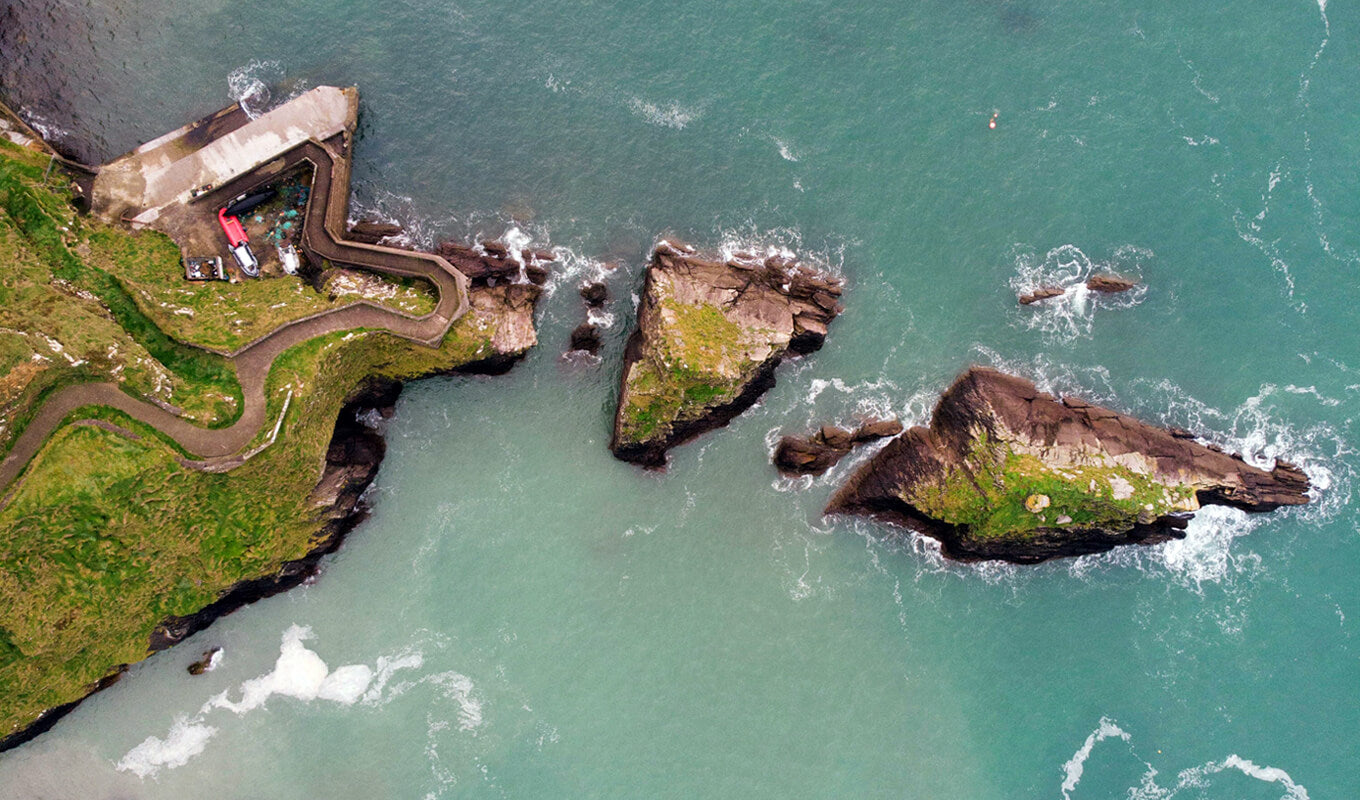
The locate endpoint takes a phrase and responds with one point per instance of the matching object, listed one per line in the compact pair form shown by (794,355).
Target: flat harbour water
(525,616)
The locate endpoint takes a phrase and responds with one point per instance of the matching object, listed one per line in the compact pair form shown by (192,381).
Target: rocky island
(1008,472)
(709,336)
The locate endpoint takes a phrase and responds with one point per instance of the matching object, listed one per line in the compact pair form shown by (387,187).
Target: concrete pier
(166,171)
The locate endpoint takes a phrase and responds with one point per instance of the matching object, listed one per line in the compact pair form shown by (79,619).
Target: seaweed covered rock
(1007,472)
(709,336)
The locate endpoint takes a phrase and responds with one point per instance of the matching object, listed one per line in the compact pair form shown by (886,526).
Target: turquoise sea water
(524,616)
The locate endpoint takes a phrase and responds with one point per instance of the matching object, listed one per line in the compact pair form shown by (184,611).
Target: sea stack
(1010,473)
(709,336)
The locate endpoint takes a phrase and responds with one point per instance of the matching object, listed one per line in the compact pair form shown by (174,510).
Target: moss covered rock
(1007,472)
(709,337)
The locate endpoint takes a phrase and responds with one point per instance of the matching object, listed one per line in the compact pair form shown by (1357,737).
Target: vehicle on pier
(239,243)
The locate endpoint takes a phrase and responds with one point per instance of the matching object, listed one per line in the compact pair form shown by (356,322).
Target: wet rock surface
(586,338)
(373,232)
(1110,284)
(709,336)
(491,263)
(822,450)
(1008,472)
(595,294)
(1042,293)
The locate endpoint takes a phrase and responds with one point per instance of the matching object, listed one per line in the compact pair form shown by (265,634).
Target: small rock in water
(1042,293)
(586,337)
(204,664)
(815,454)
(1109,284)
(595,294)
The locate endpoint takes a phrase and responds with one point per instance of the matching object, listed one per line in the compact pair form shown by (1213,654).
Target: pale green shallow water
(583,629)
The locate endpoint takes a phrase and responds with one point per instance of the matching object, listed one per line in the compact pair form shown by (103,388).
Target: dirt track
(322,237)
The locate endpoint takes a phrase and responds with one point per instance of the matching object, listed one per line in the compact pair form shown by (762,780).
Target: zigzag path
(321,238)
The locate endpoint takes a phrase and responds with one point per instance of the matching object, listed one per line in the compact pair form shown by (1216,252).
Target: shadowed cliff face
(1007,472)
(709,337)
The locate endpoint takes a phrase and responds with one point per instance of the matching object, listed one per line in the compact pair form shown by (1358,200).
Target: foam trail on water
(1076,765)
(301,674)
(1194,778)
(186,739)
(666,115)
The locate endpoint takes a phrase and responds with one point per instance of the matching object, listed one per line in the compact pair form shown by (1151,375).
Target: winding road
(321,239)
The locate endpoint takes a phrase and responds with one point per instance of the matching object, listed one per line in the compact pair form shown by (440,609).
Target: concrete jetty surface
(212,152)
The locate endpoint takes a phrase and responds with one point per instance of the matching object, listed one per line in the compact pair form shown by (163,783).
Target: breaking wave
(1070,314)
(250,85)
(299,673)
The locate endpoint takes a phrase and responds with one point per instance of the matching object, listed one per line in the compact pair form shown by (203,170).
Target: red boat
(239,242)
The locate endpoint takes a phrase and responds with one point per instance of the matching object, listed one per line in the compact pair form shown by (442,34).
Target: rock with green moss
(1008,472)
(710,334)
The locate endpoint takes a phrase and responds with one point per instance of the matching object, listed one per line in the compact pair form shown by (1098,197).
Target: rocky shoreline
(1007,472)
(353,457)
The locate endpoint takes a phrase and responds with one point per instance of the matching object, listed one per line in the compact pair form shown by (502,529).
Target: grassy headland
(108,534)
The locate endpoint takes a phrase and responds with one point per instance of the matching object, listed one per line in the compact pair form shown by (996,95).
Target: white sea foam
(1076,765)
(459,688)
(301,674)
(249,85)
(1206,552)
(786,150)
(386,668)
(186,739)
(1070,315)
(666,115)
(49,130)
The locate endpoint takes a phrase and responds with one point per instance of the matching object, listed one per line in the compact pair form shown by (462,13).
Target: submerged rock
(815,454)
(709,337)
(1007,472)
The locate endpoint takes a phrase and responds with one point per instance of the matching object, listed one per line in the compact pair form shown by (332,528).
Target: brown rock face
(996,442)
(709,337)
(493,263)
(1042,293)
(586,337)
(1109,284)
(595,294)
(815,454)
(372,232)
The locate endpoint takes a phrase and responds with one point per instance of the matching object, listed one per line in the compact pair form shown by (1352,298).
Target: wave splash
(1069,315)
(301,674)
(249,85)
